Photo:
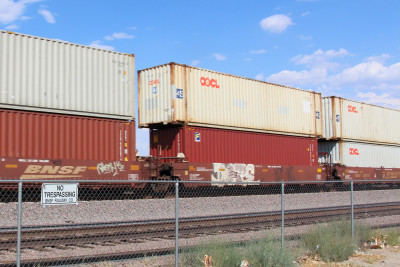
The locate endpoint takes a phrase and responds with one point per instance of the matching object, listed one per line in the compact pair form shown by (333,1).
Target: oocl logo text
(354,151)
(154,82)
(209,82)
(352,109)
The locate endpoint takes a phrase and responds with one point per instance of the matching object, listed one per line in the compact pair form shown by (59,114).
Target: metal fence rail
(107,220)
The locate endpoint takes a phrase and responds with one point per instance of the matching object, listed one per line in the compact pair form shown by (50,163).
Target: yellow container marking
(134,167)
(11,166)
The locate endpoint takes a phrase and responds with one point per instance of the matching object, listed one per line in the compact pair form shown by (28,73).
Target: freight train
(67,113)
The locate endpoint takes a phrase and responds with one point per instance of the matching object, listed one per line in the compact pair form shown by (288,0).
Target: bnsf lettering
(354,151)
(55,169)
(352,109)
(154,82)
(209,82)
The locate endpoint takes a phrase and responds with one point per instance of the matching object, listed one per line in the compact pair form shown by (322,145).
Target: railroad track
(85,235)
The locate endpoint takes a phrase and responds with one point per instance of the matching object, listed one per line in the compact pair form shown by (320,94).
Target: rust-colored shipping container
(208,145)
(33,135)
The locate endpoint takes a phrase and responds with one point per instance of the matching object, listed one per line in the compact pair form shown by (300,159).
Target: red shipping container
(211,145)
(33,135)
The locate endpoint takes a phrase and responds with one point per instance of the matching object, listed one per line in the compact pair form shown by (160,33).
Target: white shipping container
(351,120)
(47,75)
(357,154)
(178,94)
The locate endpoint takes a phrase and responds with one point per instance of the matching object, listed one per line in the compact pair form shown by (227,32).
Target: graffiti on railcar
(113,168)
(232,172)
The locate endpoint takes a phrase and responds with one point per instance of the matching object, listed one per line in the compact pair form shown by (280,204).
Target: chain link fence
(48,223)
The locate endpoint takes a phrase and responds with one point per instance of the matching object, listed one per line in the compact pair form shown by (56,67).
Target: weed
(223,255)
(268,252)
(333,242)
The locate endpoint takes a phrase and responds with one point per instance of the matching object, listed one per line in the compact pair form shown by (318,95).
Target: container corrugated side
(352,120)
(39,74)
(357,154)
(34,135)
(179,94)
(201,144)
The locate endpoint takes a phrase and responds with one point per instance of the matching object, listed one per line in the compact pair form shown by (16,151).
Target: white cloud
(319,56)
(260,77)
(259,51)
(47,15)
(276,23)
(382,58)
(373,74)
(118,35)
(219,57)
(305,37)
(314,76)
(305,13)
(11,11)
(11,27)
(370,79)
(383,99)
(195,63)
(97,44)
(132,28)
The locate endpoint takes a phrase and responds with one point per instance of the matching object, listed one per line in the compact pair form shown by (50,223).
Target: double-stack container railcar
(67,111)
(216,117)
(359,134)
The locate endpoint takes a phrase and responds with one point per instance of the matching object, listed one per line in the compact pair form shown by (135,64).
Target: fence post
(283,213)
(176,223)
(19,224)
(352,210)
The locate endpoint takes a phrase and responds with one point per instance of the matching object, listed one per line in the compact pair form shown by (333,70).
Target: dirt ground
(389,257)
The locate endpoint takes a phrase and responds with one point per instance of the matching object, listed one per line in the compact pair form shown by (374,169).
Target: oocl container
(351,120)
(211,145)
(45,75)
(358,154)
(175,94)
(34,135)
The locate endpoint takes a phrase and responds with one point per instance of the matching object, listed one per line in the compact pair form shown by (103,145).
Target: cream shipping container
(39,74)
(351,120)
(357,154)
(180,94)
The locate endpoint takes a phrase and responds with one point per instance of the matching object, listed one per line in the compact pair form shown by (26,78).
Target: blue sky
(337,47)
